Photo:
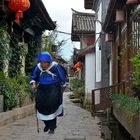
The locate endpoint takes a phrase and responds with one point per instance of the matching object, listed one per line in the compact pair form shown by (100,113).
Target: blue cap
(45,57)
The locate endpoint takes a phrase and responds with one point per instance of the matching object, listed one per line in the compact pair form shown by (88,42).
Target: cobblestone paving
(77,124)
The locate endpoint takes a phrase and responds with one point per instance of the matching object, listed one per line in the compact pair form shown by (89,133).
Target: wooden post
(93,102)
(124,88)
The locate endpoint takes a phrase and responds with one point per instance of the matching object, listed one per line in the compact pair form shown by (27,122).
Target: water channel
(111,129)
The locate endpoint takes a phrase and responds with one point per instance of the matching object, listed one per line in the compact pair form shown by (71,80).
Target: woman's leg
(46,128)
(52,124)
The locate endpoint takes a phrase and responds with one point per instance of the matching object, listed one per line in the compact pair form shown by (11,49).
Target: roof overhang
(83,52)
(76,36)
(43,14)
(37,17)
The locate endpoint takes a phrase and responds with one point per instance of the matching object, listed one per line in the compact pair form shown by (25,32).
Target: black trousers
(51,124)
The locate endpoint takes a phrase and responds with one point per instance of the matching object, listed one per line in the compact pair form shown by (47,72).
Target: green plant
(14,90)
(78,89)
(103,138)
(6,89)
(31,57)
(87,105)
(19,51)
(10,99)
(75,82)
(136,80)
(130,105)
(5,52)
(22,88)
(136,62)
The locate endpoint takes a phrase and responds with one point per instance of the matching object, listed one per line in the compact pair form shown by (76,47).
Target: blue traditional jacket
(53,74)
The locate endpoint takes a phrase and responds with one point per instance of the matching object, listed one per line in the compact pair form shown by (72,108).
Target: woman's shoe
(46,129)
(51,132)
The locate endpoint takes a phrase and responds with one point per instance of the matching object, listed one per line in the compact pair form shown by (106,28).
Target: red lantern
(78,66)
(18,6)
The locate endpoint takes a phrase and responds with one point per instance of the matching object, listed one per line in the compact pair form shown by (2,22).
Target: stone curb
(15,114)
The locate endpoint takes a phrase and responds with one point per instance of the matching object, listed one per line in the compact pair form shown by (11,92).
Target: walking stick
(37,122)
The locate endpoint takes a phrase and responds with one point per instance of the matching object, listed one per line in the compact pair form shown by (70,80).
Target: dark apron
(48,98)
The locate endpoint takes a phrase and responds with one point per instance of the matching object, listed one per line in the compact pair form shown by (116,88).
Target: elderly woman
(50,77)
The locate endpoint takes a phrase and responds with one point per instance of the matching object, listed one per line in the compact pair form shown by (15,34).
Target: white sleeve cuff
(32,81)
(65,85)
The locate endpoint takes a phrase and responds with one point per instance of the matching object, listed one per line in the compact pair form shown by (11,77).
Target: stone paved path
(77,124)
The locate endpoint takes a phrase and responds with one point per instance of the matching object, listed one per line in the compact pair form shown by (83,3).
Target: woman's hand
(34,86)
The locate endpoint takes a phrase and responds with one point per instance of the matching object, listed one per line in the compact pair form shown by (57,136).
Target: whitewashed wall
(89,70)
(89,74)
(98,51)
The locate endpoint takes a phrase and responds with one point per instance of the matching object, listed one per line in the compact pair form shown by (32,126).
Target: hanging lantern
(18,6)
(119,16)
(132,2)
(78,66)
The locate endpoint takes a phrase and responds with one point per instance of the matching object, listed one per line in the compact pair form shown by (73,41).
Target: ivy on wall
(31,56)
(14,87)
(11,53)
(5,52)
(15,61)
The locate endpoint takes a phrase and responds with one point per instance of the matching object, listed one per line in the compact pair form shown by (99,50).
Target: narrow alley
(77,124)
(88,49)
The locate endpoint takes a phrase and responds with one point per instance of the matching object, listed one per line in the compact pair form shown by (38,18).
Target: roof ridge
(82,13)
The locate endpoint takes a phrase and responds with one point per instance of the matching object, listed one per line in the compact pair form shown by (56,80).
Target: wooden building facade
(28,32)
(123,23)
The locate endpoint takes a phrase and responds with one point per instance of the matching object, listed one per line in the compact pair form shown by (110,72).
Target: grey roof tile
(82,23)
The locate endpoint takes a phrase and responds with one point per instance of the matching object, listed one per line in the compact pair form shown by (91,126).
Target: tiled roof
(82,23)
